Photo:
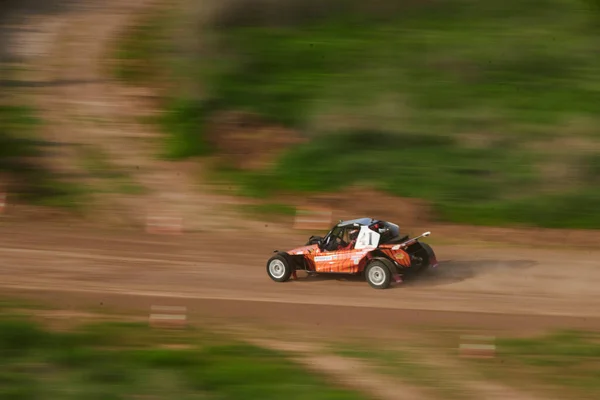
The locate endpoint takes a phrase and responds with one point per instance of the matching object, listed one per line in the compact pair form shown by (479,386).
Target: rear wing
(410,241)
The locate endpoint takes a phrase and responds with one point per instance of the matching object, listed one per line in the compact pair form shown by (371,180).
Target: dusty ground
(217,269)
(531,286)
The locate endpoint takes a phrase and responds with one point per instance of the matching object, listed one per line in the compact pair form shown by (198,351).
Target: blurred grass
(489,56)
(115,179)
(565,361)
(488,110)
(119,361)
(562,364)
(406,367)
(20,155)
(140,53)
(183,120)
(144,57)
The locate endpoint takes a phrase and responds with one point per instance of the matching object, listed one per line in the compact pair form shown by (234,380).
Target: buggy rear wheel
(279,268)
(378,275)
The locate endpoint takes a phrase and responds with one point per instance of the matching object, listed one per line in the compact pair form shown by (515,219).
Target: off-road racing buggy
(366,246)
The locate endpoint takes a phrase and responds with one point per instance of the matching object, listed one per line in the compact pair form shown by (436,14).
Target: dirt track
(487,288)
(223,274)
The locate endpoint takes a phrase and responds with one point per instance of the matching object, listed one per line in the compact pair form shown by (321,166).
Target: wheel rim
(377,275)
(277,269)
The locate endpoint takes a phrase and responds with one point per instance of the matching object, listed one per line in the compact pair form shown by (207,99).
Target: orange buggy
(366,246)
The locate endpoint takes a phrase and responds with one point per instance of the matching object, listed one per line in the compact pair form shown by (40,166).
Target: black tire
(378,275)
(427,258)
(278,268)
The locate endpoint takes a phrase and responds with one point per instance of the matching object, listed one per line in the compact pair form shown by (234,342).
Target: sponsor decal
(323,258)
(357,257)
(400,256)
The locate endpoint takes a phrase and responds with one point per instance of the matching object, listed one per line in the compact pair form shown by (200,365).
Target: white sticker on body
(367,239)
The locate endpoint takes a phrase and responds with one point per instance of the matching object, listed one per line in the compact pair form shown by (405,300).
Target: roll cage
(339,233)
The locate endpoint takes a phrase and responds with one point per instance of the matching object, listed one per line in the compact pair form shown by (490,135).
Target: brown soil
(532,286)
(357,202)
(245,141)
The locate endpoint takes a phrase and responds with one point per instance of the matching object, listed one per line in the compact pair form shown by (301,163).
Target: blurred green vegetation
(120,361)
(451,66)
(146,55)
(140,53)
(566,360)
(20,153)
(564,364)
(408,367)
(488,110)
(113,178)
(184,120)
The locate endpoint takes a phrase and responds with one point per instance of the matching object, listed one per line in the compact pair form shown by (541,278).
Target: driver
(376,227)
(352,235)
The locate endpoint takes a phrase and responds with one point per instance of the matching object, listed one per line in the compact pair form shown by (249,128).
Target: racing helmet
(379,228)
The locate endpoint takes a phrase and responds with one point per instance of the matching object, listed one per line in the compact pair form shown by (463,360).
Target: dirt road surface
(225,275)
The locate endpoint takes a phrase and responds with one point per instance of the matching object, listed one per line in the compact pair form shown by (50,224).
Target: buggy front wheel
(279,268)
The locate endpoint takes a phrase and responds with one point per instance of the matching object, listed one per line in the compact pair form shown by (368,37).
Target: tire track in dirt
(202,276)
(222,290)
(485,280)
(489,281)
